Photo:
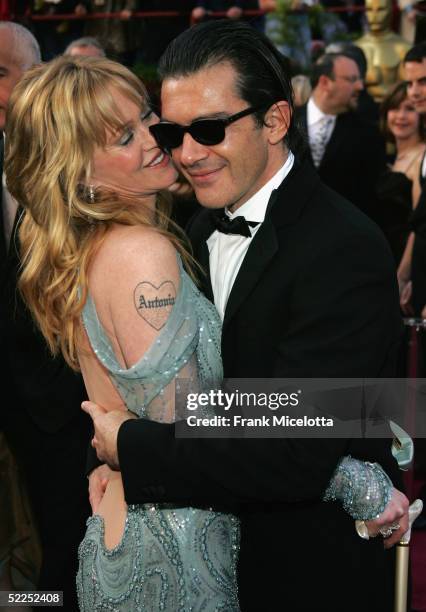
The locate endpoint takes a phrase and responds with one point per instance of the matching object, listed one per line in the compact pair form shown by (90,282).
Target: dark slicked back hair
(351,51)
(416,53)
(263,74)
(324,66)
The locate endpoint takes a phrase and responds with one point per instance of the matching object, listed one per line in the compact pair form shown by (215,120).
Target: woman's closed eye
(129,133)
(126,138)
(147,114)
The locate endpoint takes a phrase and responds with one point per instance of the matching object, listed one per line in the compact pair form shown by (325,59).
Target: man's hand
(106,425)
(98,480)
(395,513)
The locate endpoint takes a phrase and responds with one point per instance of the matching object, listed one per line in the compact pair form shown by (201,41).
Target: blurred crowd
(360,128)
(300,28)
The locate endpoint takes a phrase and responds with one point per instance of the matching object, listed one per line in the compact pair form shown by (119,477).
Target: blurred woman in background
(399,188)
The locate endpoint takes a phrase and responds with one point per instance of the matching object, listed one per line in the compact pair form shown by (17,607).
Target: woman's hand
(98,481)
(106,425)
(394,519)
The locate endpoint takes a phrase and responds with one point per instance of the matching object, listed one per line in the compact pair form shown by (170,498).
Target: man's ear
(277,121)
(324,82)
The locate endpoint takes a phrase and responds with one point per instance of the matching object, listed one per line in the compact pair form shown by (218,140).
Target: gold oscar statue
(383,49)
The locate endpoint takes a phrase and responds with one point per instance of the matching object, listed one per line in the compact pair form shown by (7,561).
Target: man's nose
(191,151)
(413,89)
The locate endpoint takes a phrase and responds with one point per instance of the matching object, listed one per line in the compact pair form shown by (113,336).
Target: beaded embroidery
(363,488)
(170,558)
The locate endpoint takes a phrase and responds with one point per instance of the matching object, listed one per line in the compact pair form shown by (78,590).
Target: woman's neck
(405,145)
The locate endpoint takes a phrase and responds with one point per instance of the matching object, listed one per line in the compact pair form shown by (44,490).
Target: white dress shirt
(314,119)
(227,251)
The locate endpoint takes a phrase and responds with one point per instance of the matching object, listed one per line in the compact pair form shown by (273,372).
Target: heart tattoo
(153,303)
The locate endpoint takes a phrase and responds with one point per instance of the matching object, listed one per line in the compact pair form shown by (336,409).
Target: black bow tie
(238,225)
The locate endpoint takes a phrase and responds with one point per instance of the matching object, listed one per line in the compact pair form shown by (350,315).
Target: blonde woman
(105,279)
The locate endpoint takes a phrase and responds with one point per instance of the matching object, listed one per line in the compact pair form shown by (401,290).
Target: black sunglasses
(205,131)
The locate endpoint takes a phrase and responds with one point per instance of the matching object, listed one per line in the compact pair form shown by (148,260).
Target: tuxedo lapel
(302,117)
(9,255)
(336,139)
(3,248)
(284,208)
(261,250)
(199,236)
(14,247)
(203,260)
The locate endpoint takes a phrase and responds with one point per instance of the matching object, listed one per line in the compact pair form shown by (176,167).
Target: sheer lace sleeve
(363,488)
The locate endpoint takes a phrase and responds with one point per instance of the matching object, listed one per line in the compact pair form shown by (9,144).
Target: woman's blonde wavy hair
(58,113)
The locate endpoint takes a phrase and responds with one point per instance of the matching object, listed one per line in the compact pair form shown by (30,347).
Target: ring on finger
(395,526)
(386,532)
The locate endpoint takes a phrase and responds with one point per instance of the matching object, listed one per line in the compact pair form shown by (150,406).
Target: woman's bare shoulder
(134,281)
(132,247)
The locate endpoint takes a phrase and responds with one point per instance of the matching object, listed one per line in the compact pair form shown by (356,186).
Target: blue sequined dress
(170,558)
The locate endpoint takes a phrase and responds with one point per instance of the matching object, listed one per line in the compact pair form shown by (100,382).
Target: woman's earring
(91,193)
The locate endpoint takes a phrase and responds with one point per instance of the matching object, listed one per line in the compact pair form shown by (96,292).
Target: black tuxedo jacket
(315,296)
(353,160)
(418,258)
(45,428)
(46,389)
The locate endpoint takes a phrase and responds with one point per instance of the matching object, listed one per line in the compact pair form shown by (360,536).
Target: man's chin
(420,107)
(208,204)
(208,198)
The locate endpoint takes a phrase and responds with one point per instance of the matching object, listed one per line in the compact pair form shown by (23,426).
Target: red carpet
(417,551)
(418,568)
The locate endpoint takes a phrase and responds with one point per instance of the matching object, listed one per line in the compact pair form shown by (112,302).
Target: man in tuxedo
(348,152)
(305,286)
(43,423)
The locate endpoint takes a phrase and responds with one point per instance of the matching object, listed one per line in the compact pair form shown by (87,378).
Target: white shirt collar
(255,208)
(315,114)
